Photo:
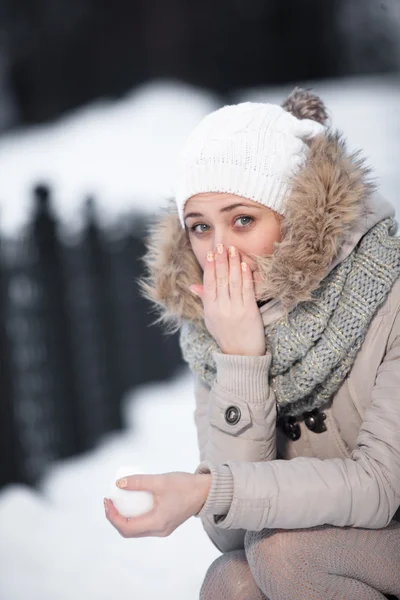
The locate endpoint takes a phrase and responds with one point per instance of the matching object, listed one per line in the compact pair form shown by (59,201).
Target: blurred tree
(67,52)
(64,53)
(371,35)
(248,43)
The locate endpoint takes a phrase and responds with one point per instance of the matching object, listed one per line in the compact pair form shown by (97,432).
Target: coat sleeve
(241,382)
(360,491)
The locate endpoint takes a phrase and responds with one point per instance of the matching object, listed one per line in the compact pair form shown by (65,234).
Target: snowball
(130,503)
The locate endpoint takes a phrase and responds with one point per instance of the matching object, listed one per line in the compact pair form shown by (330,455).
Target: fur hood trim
(328,196)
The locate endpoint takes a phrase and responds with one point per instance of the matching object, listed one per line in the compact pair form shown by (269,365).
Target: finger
(248,284)
(235,276)
(150,483)
(116,519)
(141,526)
(209,282)
(222,274)
(197,289)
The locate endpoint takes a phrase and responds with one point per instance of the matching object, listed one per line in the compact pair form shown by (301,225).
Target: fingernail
(194,291)
(244,266)
(232,251)
(105,504)
(220,248)
(210,256)
(122,483)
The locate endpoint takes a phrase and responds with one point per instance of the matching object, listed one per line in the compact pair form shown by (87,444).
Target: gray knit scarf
(315,345)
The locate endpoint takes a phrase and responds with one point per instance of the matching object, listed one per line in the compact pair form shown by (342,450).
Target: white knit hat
(249,149)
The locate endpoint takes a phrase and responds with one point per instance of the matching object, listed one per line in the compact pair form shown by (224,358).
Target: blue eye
(194,227)
(245,218)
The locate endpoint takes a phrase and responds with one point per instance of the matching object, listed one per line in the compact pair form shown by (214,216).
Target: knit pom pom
(303,104)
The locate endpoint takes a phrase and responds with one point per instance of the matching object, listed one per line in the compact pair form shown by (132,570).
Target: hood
(331,205)
(377,209)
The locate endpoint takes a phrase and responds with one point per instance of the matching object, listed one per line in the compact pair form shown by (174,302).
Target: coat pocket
(229,413)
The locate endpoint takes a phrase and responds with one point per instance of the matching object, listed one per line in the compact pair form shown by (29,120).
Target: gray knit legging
(333,563)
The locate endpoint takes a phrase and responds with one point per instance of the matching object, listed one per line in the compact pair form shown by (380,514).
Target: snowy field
(55,543)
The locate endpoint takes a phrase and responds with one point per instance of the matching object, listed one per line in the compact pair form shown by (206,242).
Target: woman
(293,335)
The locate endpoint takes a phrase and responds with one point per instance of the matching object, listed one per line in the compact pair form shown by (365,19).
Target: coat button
(314,420)
(290,427)
(232,415)
(293,430)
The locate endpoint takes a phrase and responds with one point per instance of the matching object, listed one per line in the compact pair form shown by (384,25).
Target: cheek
(265,246)
(201,262)
(274,235)
(199,254)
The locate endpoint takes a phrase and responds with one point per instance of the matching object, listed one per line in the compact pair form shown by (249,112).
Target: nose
(219,240)
(227,241)
(221,237)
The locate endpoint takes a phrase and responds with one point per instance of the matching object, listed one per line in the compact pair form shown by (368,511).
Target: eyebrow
(222,210)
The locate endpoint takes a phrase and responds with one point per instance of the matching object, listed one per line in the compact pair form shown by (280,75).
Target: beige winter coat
(348,475)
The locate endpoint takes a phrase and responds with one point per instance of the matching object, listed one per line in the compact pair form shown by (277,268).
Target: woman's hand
(231,314)
(177,497)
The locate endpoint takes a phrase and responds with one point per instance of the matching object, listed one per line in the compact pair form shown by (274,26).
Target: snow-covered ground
(55,543)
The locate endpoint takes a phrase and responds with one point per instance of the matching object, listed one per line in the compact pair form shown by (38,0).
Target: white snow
(127,502)
(125,152)
(56,543)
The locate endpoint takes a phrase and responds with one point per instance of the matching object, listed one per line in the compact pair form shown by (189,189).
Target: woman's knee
(263,550)
(229,578)
(272,556)
(277,546)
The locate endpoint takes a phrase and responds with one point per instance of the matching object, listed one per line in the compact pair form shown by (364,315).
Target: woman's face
(214,218)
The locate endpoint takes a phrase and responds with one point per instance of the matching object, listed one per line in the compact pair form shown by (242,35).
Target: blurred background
(96,100)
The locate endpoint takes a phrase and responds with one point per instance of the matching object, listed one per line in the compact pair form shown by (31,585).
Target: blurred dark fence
(75,336)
